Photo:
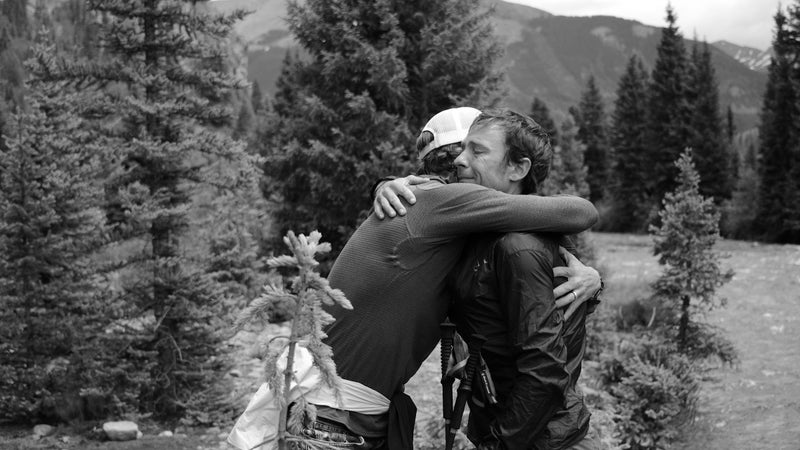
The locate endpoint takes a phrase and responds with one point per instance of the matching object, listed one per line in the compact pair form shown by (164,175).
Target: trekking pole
(448,331)
(464,389)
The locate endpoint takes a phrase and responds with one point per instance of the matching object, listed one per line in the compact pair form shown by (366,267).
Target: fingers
(397,205)
(413,180)
(571,310)
(562,271)
(563,301)
(386,205)
(377,209)
(568,257)
(406,193)
(564,288)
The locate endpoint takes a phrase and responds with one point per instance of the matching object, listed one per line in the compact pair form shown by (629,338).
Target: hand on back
(388,196)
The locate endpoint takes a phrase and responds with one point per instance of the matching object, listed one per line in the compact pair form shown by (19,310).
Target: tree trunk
(684,323)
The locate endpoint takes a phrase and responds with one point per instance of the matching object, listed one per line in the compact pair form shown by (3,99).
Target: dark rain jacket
(504,291)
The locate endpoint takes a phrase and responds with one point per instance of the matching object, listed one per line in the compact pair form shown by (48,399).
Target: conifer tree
(245,121)
(631,203)
(684,244)
(5,38)
(791,229)
(42,22)
(568,171)
(592,132)
(347,113)
(778,139)
(257,98)
(708,143)
(49,228)
(730,134)
(668,111)
(304,300)
(730,126)
(541,114)
(157,97)
(17,14)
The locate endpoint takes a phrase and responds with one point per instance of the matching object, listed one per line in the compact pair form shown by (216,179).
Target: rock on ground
(43,430)
(122,430)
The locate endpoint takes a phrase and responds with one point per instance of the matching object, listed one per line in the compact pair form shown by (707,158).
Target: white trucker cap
(448,127)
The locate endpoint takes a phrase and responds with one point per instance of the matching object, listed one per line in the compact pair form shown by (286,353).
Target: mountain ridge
(753,58)
(546,55)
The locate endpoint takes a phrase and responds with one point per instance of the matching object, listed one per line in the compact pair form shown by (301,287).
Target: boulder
(165,433)
(43,430)
(121,431)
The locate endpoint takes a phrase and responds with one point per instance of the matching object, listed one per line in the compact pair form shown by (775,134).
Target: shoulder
(450,188)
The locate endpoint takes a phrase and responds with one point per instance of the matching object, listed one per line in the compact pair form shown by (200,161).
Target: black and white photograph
(399,225)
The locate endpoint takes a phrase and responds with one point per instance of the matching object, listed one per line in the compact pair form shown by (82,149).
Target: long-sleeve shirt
(504,291)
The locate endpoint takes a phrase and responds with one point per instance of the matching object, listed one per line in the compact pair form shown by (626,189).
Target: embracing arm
(461,209)
(480,209)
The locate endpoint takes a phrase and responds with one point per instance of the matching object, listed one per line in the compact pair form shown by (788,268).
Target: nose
(461,159)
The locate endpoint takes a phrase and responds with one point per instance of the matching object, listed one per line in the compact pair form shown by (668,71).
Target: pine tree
(245,121)
(49,229)
(568,171)
(708,142)
(791,229)
(157,96)
(730,134)
(347,113)
(5,39)
(592,131)
(43,23)
(17,14)
(631,202)
(309,291)
(541,114)
(684,244)
(668,112)
(778,137)
(257,99)
(730,126)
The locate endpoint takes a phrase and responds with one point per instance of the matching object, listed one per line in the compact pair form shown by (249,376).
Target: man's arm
(534,322)
(448,211)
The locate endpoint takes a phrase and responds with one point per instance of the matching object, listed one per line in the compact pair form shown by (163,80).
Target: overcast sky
(743,22)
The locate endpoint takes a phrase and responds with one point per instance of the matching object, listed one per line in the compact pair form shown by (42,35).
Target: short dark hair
(524,139)
(439,161)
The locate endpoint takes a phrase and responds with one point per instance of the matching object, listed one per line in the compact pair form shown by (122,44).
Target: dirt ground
(753,406)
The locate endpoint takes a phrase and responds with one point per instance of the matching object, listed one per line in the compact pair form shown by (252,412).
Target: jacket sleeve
(525,279)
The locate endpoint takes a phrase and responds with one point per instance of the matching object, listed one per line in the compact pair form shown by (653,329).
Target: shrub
(656,388)
(684,244)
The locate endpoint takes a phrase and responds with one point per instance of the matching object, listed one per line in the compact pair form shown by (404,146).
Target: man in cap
(394,274)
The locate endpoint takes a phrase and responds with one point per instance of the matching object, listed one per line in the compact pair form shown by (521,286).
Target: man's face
(483,160)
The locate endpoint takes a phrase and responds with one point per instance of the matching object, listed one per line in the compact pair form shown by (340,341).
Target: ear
(519,170)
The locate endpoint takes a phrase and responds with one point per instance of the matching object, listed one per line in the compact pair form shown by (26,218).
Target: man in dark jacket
(504,291)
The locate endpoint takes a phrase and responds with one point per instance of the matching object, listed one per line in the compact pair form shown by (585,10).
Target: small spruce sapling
(684,244)
(308,292)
